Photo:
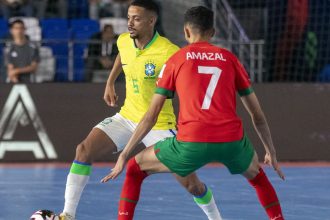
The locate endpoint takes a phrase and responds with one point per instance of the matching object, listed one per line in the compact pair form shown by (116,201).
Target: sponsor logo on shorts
(106,121)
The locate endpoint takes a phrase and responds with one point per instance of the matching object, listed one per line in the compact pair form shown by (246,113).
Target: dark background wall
(298,115)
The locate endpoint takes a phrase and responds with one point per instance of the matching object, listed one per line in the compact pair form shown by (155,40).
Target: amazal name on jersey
(204,56)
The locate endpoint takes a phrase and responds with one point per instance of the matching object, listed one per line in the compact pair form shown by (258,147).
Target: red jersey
(206,79)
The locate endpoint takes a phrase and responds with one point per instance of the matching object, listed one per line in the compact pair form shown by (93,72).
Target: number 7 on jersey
(216,73)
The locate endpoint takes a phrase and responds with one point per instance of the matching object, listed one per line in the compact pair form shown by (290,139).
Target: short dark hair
(106,26)
(200,17)
(149,5)
(17,21)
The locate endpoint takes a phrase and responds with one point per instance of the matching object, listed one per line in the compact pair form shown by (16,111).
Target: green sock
(80,168)
(207,204)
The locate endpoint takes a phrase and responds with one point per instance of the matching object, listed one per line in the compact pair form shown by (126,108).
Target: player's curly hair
(200,18)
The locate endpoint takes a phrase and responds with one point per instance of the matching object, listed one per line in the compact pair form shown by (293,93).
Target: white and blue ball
(44,215)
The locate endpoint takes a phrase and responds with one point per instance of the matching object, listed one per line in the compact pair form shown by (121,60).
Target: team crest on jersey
(150,69)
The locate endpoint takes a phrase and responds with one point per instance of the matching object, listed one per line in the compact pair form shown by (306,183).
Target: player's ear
(212,32)
(187,33)
(153,20)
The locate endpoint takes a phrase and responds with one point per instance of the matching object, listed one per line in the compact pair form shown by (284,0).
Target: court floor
(305,194)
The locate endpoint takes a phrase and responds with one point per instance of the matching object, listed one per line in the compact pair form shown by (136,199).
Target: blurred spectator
(39,7)
(119,8)
(100,8)
(11,8)
(94,9)
(59,8)
(108,8)
(22,56)
(101,54)
(294,27)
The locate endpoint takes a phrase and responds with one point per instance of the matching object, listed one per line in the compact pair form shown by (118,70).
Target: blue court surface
(305,195)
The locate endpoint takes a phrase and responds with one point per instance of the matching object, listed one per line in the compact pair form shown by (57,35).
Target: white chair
(119,24)
(34,33)
(46,67)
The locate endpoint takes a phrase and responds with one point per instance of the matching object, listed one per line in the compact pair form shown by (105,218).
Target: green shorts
(184,158)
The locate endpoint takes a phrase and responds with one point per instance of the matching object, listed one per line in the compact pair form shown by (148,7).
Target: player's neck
(198,38)
(20,40)
(142,42)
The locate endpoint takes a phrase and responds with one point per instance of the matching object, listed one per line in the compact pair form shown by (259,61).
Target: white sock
(75,185)
(207,203)
(211,210)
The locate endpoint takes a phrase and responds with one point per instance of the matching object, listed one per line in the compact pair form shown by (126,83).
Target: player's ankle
(197,190)
(205,197)
(66,216)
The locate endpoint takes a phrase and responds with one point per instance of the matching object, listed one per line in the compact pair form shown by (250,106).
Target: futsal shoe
(66,216)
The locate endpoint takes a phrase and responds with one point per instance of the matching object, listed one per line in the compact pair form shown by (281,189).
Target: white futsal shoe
(66,216)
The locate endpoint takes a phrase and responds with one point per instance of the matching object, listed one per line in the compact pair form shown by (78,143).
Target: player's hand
(13,79)
(12,76)
(116,171)
(106,62)
(12,73)
(271,160)
(110,97)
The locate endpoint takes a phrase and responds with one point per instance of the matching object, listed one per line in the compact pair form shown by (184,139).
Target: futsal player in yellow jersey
(142,53)
(141,68)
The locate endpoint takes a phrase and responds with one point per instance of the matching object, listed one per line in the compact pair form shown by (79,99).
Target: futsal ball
(44,215)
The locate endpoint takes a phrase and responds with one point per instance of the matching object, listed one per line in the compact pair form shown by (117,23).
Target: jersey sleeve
(172,50)
(166,80)
(36,56)
(121,40)
(8,58)
(242,80)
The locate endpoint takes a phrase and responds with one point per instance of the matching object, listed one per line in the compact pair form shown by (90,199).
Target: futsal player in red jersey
(206,79)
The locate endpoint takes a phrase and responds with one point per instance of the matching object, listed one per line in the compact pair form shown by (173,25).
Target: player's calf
(192,184)
(264,189)
(267,196)
(137,170)
(131,190)
(96,143)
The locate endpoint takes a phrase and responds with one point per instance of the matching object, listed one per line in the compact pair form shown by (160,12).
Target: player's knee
(252,171)
(83,153)
(133,170)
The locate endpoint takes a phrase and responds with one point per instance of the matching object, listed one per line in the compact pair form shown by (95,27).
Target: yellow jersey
(141,69)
